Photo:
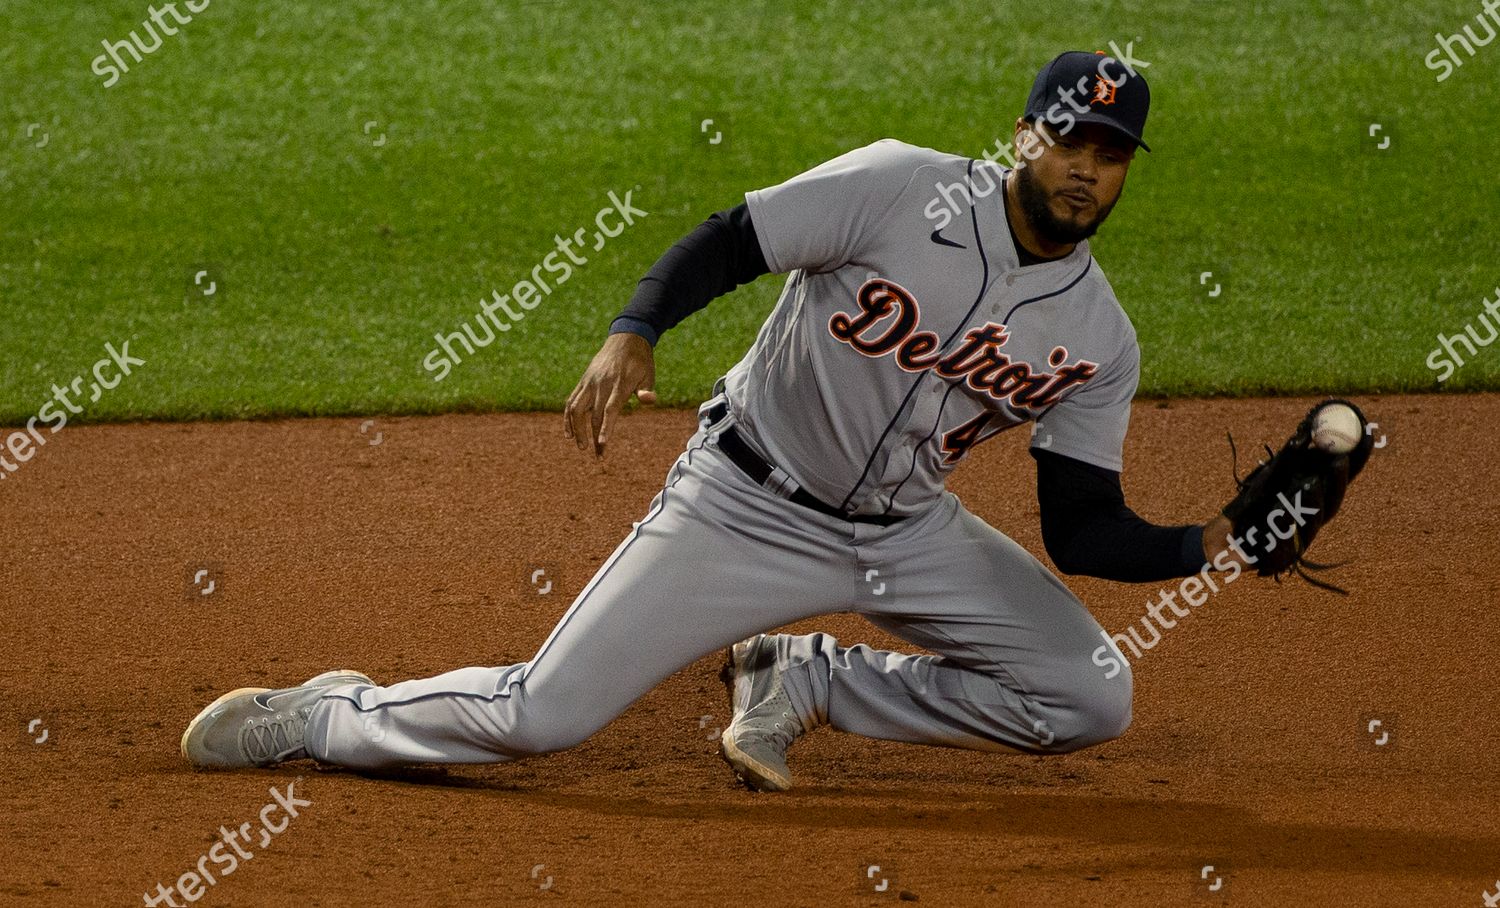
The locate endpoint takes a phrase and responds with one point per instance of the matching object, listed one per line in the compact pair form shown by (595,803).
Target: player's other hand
(623,367)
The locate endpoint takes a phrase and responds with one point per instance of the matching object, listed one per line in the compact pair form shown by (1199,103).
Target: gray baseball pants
(719,558)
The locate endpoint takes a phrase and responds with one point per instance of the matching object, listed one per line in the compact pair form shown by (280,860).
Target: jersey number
(957,442)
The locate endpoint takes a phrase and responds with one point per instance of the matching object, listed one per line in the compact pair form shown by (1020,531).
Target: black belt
(756,467)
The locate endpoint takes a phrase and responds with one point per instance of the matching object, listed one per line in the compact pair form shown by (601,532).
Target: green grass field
(241,142)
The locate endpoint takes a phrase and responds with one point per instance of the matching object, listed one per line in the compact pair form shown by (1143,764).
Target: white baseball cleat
(258,726)
(764,724)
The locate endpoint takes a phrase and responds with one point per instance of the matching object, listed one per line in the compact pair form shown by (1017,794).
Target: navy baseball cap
(1115,94)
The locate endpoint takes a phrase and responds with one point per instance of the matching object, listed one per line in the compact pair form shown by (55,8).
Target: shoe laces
(782,730)
(274,738)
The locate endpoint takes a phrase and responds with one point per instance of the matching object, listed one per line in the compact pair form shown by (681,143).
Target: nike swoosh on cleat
(264,700)
(937,237)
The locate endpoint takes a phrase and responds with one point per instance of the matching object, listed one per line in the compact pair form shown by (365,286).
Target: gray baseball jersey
(896,347)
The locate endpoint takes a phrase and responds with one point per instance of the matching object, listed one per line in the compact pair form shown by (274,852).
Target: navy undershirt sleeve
(1088,529)
(719,255)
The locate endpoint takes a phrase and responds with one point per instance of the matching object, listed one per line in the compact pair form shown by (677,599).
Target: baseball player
(932,302)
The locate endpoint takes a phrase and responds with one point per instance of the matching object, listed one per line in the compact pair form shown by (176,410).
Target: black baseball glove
(1287,499)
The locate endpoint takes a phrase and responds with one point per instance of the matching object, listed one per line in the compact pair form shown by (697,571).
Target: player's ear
(1029,135)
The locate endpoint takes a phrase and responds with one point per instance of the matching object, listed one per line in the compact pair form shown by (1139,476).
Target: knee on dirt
(1091,716)
(541,732)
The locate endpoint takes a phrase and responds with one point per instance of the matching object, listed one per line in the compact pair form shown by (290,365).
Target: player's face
(1069,189)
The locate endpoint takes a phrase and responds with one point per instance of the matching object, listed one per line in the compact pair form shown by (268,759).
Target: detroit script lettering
(887,322)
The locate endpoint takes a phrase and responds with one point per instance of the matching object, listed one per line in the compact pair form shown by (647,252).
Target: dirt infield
(1251,751)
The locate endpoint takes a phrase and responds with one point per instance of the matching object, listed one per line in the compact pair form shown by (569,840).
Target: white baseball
(1337,429)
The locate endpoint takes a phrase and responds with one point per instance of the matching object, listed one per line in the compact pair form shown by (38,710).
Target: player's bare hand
(623,367)
(1216,542)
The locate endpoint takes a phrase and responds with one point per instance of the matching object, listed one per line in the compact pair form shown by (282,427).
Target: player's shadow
(1166,834)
